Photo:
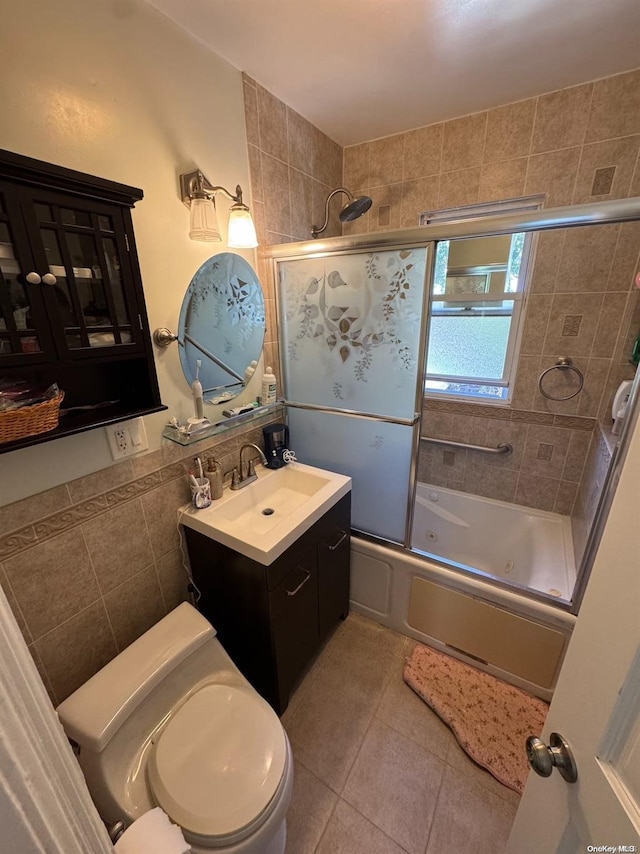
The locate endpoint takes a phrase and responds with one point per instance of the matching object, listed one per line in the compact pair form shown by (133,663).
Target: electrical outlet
(127,438)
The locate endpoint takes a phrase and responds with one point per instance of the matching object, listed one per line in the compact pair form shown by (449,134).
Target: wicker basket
(30,420)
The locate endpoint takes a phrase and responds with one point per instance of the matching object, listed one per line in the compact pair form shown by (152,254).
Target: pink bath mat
(490,719)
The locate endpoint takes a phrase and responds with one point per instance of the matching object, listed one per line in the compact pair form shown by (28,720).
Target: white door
(596,706)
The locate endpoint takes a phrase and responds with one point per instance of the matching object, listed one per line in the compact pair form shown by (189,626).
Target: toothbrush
(194,481)
(199,467)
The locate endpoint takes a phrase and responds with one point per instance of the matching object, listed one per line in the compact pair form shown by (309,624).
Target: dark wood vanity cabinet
(72,308)
(273,619)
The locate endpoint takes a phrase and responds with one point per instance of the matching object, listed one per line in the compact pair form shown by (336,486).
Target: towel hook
(563,364)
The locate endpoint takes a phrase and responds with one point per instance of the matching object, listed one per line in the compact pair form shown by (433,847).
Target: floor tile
(395,784)
(311,806)
(402,709)
(460,760)
(349,832)
(469,818)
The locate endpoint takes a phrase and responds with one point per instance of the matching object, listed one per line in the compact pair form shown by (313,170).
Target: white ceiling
(362,69)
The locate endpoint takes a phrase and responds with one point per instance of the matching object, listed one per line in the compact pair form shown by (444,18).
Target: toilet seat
(218,764)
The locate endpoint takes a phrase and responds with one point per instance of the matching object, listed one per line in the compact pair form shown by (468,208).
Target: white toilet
(171,722)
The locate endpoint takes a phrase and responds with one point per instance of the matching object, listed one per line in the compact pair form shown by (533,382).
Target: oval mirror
(222,325)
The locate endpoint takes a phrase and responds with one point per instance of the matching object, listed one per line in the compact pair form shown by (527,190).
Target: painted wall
(113,89)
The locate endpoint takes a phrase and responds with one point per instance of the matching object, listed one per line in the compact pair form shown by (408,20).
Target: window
(475,314)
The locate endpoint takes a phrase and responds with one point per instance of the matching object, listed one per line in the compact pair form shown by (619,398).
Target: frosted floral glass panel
(351,330)
(375,455)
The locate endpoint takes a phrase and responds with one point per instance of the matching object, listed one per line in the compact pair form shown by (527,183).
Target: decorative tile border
(573,422)
(19,540)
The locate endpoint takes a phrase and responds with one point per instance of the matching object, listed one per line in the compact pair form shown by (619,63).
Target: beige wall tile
(619,153)
(118,544)
(386,210)
(595,379)
(626,260)
(459,188)
(577,453)
(169,453)
(53,581)
(554,175)
(272,118)
(463,142)
(549,245)
(422,152)
(513,432)
(556,437)
(536,491)
(395,784)
(502,180)
(161,512)
(23,513)
(74,651)
(566,497)
(17,541)
(275,177)
(526,380)
(300,141)
(385,160)
(135,606)
(587,256)
(615,107)
(356,166)
(251,112)
(561,119)
(173,579)
(535,324)
(566,306)
(489,481)
(609,325)
(301,204)
(417,197)
(509,131)
(15,608)
(319,195)
(255,174)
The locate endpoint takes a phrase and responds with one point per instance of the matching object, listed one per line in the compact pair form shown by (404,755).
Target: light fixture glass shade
(242,231)
(204,221)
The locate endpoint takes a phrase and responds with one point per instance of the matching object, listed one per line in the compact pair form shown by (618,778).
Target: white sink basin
(264,518)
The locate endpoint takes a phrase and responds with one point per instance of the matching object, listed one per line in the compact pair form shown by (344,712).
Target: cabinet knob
(33,278)
(49,279)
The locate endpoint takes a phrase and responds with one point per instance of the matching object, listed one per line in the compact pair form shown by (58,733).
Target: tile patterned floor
(376,771)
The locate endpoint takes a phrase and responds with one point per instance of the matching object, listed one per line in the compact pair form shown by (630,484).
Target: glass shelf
(220,426)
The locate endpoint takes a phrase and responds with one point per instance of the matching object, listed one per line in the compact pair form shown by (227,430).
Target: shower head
(353,208)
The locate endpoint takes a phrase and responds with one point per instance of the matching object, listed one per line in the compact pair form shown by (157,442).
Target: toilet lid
(219,761)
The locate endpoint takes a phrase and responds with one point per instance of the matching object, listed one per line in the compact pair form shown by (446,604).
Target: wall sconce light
(199,194)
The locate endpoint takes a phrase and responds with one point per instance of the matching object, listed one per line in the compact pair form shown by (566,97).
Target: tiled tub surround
(595,470)
(90,565)
(543,471)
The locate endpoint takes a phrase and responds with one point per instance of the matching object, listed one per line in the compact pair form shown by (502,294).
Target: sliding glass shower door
(352,356)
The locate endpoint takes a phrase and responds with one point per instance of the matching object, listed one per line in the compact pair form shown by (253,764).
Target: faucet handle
(251,468)
(235,479)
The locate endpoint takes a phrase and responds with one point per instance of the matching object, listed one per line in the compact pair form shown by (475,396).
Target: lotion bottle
(268,387)
(251,369)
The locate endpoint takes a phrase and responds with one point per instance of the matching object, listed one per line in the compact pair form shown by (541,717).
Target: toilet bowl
(171,722)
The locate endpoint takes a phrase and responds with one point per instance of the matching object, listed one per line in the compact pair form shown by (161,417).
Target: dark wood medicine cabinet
(72,307)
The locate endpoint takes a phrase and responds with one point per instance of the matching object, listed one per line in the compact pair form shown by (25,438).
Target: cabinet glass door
(24,332)
(84,250)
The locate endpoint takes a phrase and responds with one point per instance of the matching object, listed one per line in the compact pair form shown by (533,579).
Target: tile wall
(90,565)
(576,145)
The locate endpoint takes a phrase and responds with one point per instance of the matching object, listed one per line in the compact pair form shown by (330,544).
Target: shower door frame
(574,216)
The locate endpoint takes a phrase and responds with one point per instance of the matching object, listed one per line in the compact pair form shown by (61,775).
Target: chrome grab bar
(503,447)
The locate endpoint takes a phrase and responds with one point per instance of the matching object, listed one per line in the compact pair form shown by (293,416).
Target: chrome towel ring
(564,364)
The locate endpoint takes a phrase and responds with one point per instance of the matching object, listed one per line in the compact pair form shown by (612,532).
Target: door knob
(33,278)
(559,755)
(49,279)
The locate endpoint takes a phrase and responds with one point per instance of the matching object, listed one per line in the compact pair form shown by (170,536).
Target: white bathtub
(516,544)
(496,628)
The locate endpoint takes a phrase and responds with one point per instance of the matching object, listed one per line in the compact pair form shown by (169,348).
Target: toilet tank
(94,713)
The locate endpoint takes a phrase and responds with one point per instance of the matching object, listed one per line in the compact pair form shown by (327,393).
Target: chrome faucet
(238,479)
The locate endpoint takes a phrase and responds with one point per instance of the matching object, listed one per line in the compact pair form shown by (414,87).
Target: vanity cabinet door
(334,558)
(293,607)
